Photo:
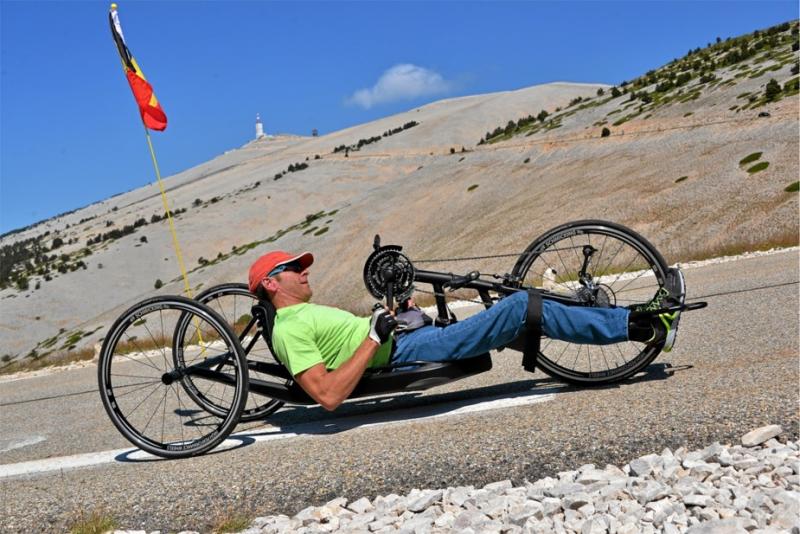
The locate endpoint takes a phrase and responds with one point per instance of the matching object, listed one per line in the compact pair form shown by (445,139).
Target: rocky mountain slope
(699,155)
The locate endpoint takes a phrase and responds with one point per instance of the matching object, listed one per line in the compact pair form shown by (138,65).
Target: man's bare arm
(331,388)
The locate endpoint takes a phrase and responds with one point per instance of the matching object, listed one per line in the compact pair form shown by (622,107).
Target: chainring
(376,265)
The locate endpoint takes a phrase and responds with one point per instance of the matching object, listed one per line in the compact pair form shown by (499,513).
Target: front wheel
(599,264)
(142,384)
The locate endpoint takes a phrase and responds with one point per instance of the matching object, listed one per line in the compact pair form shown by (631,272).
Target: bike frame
(440,281)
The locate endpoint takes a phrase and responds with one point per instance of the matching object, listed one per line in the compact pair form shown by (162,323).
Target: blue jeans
(502,322)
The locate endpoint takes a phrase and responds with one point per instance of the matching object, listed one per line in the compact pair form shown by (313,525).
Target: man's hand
(381,325)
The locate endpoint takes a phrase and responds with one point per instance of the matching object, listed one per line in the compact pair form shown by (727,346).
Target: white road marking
(270,432)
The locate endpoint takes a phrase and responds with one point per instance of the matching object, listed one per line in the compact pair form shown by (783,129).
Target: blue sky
(71,135)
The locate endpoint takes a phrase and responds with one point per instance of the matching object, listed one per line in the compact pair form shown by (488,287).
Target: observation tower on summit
(259,127)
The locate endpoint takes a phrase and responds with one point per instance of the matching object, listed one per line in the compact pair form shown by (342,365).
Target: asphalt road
(735,368)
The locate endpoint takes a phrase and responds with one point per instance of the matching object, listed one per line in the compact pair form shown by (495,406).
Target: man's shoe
(665,324)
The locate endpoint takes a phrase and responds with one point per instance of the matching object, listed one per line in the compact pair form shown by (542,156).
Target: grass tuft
(96,522)
(232,523)
(472,187)
(682,178)
(758,167)
(792,188)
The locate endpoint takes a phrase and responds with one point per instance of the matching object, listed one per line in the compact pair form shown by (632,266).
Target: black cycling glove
(381,325)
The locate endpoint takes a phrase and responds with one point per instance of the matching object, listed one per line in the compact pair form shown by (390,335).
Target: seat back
(264,312)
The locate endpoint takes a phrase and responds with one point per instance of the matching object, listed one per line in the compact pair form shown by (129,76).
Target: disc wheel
(598,264)
(141,385)
(233,302)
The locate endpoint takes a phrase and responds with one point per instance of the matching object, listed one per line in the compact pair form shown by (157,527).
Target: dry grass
(95,522)
(59,359)
(787,238)
(230,518)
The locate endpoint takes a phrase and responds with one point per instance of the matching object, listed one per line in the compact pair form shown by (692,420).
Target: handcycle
(176,375)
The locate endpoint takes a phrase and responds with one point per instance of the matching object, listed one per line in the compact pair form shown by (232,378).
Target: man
(327,349)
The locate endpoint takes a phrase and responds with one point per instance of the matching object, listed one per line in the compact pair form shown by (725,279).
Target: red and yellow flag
(153,116)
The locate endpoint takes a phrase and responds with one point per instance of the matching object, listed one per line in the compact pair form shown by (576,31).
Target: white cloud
(401,82)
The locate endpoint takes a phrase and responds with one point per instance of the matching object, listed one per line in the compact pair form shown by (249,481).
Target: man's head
(281,277)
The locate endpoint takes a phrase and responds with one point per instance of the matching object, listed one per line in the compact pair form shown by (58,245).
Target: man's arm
(331,388)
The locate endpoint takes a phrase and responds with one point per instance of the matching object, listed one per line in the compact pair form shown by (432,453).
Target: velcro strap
(533,329)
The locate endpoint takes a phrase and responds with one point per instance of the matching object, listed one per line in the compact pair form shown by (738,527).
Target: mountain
(696,155)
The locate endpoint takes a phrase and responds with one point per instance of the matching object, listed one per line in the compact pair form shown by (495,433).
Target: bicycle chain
(510,255)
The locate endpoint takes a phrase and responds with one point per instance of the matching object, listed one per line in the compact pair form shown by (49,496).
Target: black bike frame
(440,281)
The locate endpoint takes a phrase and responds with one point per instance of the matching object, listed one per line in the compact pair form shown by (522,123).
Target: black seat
(409,376)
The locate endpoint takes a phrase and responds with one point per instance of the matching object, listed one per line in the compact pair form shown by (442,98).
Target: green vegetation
(238,250)
(682,178)
(159,284)
(684,80)
(527,160)
(758,167)
(321,230)
(363,142)
(56,350)
(751,158)
(772,90)
(605,132)
(472,187)
(293,167)
(792,187)
(96,522)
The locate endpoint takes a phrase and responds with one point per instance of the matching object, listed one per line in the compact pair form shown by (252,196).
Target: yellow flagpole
(175,244)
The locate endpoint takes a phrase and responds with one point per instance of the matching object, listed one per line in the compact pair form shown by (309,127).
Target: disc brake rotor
(388,265)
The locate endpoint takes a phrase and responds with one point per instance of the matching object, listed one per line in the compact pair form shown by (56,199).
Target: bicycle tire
(616,274)
(134,365)
(238,318)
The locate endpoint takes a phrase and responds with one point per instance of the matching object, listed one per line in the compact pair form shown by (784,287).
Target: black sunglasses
(294,267)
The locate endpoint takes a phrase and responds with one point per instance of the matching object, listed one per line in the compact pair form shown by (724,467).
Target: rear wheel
(600,264)
(141,380)
(233,302)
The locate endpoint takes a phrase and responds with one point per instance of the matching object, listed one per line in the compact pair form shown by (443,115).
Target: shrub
(57,242)
(143,239)
(605,133)
(792,188)
(758,167)
(197,202)
(615,92)
(600,92)
(796,68)
(751,158)
(159,284)
(682,178)
(472,187)
(22,283)
(452,150)
(772,90)
(527,160)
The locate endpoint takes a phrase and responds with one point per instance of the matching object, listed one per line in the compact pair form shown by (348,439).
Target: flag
(153,116)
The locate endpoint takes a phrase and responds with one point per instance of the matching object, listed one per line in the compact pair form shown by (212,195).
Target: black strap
(533,328)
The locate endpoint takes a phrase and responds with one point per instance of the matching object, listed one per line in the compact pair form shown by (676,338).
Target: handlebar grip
(458,282)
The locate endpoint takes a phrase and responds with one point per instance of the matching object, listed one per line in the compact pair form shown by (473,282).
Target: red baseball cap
(266,263)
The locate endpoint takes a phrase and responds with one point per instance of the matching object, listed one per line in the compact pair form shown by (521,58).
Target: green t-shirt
(307,334)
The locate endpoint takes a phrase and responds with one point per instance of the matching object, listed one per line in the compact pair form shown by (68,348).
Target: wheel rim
(141,384)
(622,270)
(233,303)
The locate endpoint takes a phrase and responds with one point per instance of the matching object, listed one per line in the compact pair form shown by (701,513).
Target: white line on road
(269,432)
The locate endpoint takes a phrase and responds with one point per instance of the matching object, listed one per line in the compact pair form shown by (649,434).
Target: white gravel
(753,487)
